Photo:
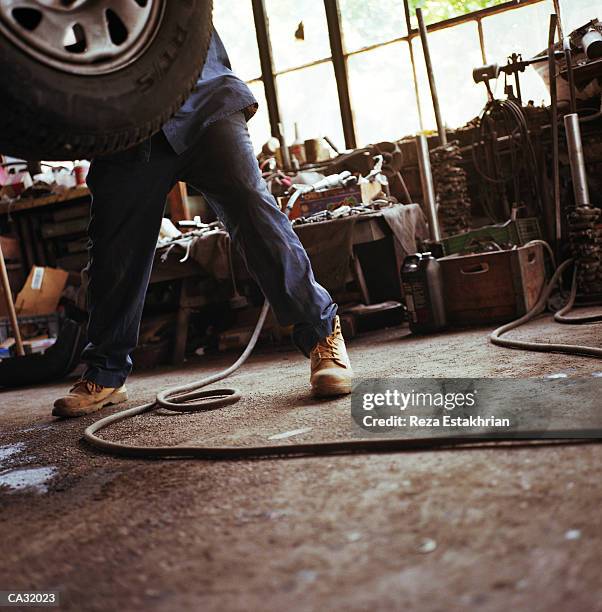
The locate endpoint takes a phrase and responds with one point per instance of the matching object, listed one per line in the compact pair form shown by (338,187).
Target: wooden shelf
(29,203)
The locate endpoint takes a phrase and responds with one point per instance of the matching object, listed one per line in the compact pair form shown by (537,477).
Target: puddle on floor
(8,450)
(32,479)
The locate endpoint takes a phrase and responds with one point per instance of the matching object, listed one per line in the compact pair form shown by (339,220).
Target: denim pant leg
(128,199)
(223,167)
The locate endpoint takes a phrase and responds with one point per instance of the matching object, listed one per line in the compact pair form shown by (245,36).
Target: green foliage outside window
(382,11)
(367,22)
(439,10)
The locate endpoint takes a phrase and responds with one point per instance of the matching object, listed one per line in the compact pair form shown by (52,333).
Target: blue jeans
(128,203)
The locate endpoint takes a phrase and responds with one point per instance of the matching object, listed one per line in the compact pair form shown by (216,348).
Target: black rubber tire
(52,115)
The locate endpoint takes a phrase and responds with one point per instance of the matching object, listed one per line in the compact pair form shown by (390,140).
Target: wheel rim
(82,36)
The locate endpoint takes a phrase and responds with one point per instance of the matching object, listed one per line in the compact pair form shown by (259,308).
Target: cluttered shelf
(9,206)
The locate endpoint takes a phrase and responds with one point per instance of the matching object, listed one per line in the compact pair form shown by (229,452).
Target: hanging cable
(509,118)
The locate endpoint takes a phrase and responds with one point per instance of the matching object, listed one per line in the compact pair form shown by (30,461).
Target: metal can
(422,283)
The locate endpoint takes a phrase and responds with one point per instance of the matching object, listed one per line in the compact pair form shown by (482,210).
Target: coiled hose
(560,317)
(191,398)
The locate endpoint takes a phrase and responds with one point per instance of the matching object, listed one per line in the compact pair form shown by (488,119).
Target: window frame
(339,55)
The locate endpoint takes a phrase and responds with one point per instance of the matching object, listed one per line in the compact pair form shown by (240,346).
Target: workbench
(370,254)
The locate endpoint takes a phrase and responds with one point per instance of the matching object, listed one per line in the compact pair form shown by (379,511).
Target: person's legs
(222,165)
(127,208)
(128,204)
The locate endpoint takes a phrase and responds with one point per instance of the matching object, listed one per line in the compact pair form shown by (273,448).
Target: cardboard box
(331,199)
(41,292)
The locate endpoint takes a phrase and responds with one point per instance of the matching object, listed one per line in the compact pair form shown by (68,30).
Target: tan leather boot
(331,372)
(86,397)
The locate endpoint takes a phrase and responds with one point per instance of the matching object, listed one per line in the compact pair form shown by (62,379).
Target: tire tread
(52,142)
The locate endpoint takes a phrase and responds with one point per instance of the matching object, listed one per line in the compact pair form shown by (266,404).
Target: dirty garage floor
(452,530)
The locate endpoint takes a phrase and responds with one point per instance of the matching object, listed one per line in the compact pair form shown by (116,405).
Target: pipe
(428,186)
(559,19)
(406,12)
(431,77)
(8,296)
(566,48)
(576,159)
(555,140)
(566,44)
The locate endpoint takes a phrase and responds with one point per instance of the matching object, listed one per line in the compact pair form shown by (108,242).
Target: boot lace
(329,348)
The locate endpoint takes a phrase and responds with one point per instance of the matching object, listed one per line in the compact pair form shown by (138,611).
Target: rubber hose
(545,347)
(561,317)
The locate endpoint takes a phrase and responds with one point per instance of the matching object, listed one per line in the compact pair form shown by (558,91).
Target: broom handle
(9,304)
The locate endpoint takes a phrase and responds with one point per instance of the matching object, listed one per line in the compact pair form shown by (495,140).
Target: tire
(51,113)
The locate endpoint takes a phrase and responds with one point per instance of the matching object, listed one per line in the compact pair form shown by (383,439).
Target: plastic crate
(527,230)
(32,326)
(517,232)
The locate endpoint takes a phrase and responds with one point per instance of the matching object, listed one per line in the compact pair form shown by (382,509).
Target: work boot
(331,371)
(86,397)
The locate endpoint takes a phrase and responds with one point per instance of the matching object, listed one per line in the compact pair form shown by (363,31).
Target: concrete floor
(451,530)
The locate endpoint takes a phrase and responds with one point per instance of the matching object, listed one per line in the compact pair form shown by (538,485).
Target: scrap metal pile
(451,184)
(345,211)
(585,238)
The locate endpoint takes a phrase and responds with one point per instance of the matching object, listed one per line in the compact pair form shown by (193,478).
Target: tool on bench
(328,182)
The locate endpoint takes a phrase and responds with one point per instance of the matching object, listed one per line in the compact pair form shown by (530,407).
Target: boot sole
(117,397)
(332,390)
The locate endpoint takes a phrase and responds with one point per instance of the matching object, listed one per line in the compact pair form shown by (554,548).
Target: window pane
(382,94)
(309,97)
(436,10)
(259,125)
(460,98)
(525,31)
(368,22)
(241,43)
(298,32)
(576,13)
